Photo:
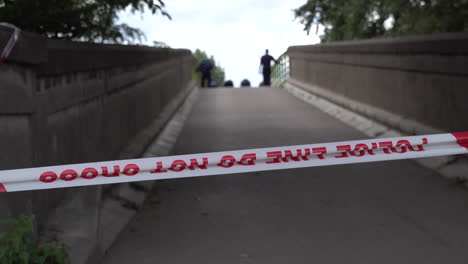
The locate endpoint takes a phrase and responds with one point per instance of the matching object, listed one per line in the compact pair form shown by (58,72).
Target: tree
(360,19)
(217,74)
(85,20)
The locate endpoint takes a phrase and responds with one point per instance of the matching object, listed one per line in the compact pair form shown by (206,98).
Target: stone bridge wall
(67,102)
(418,78)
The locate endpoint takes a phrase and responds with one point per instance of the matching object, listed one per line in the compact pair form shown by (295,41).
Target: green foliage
(217,74)
(164,46)
(85,20)
(18,246)
(361,19)
(460,180)
(160,44)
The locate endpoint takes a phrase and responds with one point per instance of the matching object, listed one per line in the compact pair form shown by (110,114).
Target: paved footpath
(385,212)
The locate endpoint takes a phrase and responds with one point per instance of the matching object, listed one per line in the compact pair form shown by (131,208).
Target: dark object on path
(265,64)
(245,83)
(228,83)
(205,68)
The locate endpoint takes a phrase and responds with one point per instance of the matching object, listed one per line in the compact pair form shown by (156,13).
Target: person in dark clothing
(228,83)
(205,68)
(265,63)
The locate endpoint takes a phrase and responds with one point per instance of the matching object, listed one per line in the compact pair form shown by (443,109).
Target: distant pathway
(385,212)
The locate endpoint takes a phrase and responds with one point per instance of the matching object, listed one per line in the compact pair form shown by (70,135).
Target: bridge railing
(280,71)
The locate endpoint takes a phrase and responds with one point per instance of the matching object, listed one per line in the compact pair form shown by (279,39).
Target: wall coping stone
(444,44)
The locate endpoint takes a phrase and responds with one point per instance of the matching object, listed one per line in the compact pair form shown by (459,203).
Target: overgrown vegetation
(18,246)
(460,180)
(362,19)
(84,20)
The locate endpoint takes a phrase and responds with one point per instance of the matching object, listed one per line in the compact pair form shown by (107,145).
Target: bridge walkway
(384,212)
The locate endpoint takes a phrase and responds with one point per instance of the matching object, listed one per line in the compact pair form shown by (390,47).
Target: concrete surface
(386,212)
(388,119)
(453,167)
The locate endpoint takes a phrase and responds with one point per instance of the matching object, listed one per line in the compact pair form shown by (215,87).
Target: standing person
(265,63)
(205,68)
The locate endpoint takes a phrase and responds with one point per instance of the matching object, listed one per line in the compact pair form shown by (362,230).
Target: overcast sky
(236,33)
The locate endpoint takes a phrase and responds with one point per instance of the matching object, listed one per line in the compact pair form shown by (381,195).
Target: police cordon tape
(237,161)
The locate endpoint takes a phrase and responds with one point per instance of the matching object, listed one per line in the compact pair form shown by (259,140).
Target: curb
(126,199)
(88,231)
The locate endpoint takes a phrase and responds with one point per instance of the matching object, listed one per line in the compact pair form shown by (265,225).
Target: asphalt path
(383,212)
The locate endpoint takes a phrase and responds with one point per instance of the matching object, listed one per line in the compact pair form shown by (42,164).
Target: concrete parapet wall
(66,102)
(420,78)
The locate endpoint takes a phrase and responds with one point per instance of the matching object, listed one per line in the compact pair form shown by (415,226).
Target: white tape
(238,161)
(11,42)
